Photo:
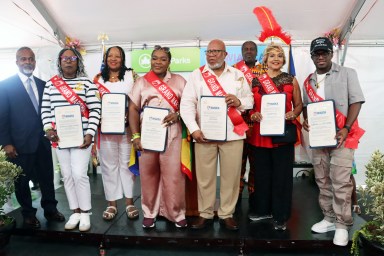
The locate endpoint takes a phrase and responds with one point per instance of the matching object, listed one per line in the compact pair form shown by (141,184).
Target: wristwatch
(347,127)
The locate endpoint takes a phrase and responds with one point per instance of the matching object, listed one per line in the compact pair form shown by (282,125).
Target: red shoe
(149,223)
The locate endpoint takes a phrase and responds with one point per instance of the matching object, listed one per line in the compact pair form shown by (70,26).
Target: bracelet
(347,127)
(136,136)
(48,129)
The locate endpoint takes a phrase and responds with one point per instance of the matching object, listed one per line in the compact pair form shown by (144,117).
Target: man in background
(22,137)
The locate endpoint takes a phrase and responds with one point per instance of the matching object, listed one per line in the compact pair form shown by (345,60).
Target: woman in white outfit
(115,149)
(72,86)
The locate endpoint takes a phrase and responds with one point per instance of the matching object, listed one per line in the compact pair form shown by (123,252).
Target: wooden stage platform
(251,236)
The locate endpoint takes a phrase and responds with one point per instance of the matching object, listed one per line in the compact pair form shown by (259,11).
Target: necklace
(319,82)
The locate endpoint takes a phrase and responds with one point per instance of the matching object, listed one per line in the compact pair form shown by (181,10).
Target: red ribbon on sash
(352,140)
(166,92)
(102,89)
(246,71)
(240,127)
(70,95)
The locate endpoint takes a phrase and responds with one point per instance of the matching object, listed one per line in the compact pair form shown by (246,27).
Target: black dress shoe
(54,216)
(31,223)
(229,223)
(201,223)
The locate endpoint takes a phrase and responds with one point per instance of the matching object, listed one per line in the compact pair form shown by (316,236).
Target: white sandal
(110,215)
(132,212)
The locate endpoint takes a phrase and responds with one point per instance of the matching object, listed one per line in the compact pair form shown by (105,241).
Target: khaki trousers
(230,156)
(332,172)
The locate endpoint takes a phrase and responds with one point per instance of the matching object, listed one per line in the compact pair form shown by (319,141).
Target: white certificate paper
(113,110)
(153,132)
(322,124)
(69,126)
(213,118)
(273,112)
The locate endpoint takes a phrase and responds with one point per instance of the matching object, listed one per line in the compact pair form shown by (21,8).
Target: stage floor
(251,239)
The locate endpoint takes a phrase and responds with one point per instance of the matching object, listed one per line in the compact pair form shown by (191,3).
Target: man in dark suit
(22,137)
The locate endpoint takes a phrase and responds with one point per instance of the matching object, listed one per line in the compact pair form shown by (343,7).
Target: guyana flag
(133,165)
(186,151)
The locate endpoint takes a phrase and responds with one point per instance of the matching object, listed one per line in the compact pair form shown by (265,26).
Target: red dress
(284,83)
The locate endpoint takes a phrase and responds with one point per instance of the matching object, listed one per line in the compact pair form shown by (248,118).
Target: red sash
(267,83)
(352,140)
(246,71)
(166,92)
(102,89)
(70,95)
(217,90)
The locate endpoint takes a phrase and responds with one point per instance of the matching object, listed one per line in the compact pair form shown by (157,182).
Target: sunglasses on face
(68,58)
(158,47)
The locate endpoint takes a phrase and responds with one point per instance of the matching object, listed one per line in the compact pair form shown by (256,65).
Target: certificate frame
(273,111)
(69,126)
(154,133)
(113,112)
(213,117)
(322,124)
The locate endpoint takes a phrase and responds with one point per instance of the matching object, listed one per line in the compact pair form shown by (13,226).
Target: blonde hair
(270,48)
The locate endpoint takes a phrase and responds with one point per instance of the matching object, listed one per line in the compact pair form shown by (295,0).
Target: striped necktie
(32,95)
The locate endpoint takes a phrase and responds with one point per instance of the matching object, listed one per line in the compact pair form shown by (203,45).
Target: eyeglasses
(317,55)
(158,47)
(68,58)
(214,52)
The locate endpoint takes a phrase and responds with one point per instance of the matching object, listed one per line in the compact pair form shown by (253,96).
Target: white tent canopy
(41,22)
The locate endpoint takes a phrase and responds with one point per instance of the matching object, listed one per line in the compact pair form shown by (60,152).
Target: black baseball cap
(321,43)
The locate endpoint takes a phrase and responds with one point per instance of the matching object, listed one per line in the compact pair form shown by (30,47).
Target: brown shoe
(54,216)
(31,223)
(229,223)
(201,223)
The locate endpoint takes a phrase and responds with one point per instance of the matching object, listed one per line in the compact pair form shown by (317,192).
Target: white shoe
(85,221)
(341,237)
(323,226)
(73,221)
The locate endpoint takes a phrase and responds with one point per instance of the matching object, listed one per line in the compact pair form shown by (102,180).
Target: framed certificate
(322,124)
(273,112)
(69,126)
(213,117)
(113,110)
(153,132)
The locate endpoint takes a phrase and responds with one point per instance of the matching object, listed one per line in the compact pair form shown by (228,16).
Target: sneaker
(281,226)
(341,237)
(85,221)
(323,226)
(73,221)
(255,217)
(181,224)
(149,222)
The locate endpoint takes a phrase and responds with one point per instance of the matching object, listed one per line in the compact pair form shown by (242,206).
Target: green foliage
(8,174)
(372,197)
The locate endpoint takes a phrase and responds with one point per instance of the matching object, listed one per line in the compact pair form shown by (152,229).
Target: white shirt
(24,79)
(233,82)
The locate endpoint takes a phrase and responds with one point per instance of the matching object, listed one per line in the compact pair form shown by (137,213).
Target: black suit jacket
(20,125)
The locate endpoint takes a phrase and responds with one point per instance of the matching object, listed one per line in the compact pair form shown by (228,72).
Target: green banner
(183,60)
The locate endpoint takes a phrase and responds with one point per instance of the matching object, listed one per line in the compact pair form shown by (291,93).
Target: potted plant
(371,234)
(8,174)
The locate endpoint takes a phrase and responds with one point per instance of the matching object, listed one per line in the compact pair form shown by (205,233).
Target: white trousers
(118,180)
(74,167)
